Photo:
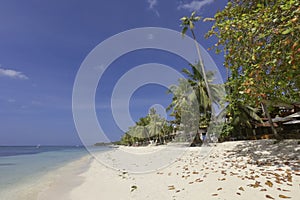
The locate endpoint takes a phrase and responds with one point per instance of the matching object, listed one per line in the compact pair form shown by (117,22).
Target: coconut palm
(185,107)
(156,125)
(197,81)
(189,23)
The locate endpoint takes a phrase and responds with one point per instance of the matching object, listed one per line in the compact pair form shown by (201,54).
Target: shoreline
(57,181)
(230,170)
(62,180)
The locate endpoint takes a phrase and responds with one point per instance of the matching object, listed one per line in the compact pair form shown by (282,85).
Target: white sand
(232,170)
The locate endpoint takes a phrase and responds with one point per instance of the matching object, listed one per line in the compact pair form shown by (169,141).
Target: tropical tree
(184,107)
(197,82)
(239,117)
(188,23)
(146,128)
(261,44)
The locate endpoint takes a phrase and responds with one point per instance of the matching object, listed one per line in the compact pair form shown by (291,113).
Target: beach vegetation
(261,44)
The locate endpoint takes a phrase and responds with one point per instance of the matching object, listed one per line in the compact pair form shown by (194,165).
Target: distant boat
(38,146)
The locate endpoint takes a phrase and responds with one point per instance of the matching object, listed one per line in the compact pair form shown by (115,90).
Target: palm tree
(188,23)
(185,107)
(197,81)
(156,125)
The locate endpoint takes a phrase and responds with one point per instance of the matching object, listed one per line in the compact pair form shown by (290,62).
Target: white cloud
(195,5)
(12,74)
(152,5)
(11,100)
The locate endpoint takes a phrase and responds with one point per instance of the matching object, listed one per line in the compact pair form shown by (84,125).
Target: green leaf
(183,18)
(193,14)
(209,19)
(287,31)
(184,31)
(197,18)
(191,25)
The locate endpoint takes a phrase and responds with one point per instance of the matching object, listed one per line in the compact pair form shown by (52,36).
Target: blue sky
(43,43)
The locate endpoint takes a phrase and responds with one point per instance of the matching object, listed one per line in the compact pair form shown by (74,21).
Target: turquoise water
(19,165)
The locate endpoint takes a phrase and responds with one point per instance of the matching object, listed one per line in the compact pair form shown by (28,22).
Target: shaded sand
(231,170)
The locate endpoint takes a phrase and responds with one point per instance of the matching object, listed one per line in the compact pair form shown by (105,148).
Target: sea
(23,166)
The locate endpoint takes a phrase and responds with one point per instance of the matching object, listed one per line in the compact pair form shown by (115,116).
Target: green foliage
(188,22)
(147,127)
(191,105)
(238,117)
(261,43)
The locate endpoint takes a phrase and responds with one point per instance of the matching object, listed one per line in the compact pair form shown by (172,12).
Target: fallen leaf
(289,178)
(191,182)
(177,191)
(269,197)
(220,189)
(134,187)
(284,197)
(263,190)
(198,180)
(214,195)
(171,187)
(269,183)
(241,188)
(256,185)
(238,193)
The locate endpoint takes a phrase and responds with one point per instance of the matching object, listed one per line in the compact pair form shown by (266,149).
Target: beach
(231,170)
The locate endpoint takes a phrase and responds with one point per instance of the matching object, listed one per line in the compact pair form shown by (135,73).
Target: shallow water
(21,167)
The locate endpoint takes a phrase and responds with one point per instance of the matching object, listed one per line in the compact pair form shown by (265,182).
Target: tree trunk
(265,109)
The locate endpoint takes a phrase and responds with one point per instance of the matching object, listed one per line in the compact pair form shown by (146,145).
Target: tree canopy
(260,40)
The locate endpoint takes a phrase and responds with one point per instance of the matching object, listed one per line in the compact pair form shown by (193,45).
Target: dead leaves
(199,180)
(284,197)
(171,187)
(255,185)
(241,188)
(134,187)
(269,183)
(269,197)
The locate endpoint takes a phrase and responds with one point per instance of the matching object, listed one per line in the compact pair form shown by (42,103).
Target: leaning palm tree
(189,23)
(197,81)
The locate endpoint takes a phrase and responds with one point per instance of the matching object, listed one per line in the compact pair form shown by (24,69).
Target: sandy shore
(231,170)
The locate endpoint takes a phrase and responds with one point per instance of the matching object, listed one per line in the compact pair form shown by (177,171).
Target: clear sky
(44,42)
